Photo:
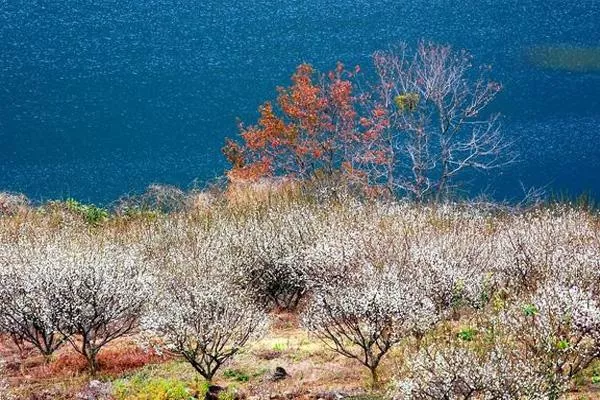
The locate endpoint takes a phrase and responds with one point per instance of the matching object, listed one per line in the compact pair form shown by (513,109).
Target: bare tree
(437,125)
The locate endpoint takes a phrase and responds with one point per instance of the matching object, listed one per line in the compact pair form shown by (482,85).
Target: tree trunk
(93,364)
(47,358)
(91,355)
(375,384)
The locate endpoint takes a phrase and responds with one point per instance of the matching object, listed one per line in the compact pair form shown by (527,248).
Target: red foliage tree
(315,127)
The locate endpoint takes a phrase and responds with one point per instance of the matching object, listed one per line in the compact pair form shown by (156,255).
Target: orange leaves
(375,125)
(270,130)
(331,123)
(316,125)
(317,153)
(343,101)
(341,93)
(379,157)
(304,101)
(251,172)
(379,112)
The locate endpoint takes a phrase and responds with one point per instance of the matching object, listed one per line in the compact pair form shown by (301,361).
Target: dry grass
(315,371)
(65,373)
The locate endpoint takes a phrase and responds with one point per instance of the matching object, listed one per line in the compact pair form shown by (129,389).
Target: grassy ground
(314,372)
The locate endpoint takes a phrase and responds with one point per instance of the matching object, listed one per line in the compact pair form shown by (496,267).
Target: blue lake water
(102,97)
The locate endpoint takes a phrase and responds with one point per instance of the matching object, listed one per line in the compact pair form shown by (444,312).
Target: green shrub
(467,334)
(280,347)
(143,388)
(227,395)
(236,375)
(407,101)
(91,214)
(530,310)
(140,214)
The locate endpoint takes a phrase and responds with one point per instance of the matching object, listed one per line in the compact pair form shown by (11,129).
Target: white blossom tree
(101,291)
(454,266)
(27,309)
(454,372)
(268,247)
(558,331)
(77,289)
(543,245)
(363,317)
(197,310)
(4,393)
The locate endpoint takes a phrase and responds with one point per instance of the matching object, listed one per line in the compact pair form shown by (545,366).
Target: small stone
(279,374)
(213,392)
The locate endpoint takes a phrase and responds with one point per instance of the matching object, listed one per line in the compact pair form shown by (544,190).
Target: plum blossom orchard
(481,303)
(364,318)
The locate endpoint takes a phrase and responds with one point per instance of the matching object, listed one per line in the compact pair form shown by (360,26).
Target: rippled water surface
(100,98)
